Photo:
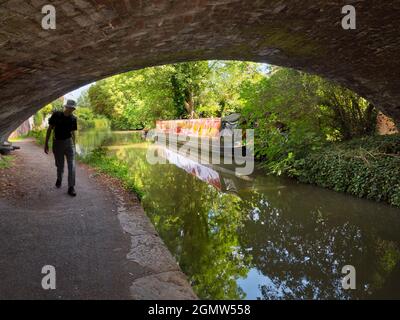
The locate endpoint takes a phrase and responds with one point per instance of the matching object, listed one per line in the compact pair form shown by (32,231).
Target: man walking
(64,124)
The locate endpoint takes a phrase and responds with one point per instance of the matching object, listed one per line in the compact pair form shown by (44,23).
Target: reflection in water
(261,237)
(192,167)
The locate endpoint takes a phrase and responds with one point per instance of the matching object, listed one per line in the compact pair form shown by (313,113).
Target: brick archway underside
(99,38)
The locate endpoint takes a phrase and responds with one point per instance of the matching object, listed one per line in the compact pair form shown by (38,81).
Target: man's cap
(70,104)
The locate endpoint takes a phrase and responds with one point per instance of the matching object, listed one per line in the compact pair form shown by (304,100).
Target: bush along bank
(367,167)
(40,136)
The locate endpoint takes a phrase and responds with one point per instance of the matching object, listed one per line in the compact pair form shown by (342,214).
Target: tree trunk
(189,104)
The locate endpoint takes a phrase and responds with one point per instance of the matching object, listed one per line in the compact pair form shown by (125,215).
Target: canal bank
(101,243)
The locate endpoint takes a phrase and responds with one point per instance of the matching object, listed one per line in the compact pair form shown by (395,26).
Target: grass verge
(6,161)
(111,165)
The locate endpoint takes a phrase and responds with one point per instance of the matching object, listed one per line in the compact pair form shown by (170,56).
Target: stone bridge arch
(98,38)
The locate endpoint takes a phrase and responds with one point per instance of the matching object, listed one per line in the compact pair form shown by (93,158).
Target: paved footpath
(101,243)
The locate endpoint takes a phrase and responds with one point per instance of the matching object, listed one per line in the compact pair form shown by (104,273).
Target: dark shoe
(71,191)
(58,183)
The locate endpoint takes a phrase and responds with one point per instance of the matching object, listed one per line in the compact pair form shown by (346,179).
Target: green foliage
(40,136)
(113,166)
(210,88)
(56,105)
(6,161)
(84,100)
(88,120)
(135,100)
(296,117)
(347,114)
(225,83)
(189,79)
(42,114)
(295,113)
(38,119)
(366,167)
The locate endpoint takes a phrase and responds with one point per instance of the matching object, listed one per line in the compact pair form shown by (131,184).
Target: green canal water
(259,236)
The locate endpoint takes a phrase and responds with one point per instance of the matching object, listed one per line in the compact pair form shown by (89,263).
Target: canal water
(259,236)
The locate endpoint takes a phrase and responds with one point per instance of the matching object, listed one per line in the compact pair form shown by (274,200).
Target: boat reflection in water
(223,178)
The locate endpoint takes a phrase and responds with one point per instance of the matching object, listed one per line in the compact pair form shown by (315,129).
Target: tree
(188,81)
(225,82)
(351,115)
(84,100)
(295,113)
(42,114)
(134,100)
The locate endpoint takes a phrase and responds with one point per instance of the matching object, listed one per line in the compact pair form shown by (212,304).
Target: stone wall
(98,38)
(23,129)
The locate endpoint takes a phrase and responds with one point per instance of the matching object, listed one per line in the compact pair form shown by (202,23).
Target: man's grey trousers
(62,149)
